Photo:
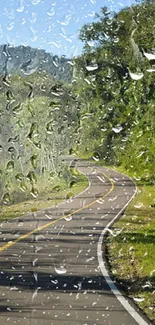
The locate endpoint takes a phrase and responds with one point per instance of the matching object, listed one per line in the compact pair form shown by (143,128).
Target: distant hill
(25,60)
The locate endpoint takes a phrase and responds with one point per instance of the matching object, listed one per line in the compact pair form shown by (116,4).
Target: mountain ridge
(25,60)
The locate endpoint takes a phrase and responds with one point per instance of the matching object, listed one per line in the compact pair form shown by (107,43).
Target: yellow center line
(11,243)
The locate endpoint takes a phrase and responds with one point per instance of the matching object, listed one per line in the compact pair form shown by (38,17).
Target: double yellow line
(11,243)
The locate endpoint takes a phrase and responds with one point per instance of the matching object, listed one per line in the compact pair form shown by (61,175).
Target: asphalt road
(52,267)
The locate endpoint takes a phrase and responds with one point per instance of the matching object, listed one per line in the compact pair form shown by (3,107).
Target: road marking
(102,266)
(11,243)
(106,275)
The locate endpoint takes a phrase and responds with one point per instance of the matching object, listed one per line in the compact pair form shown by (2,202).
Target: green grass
(49,196)
(132,251)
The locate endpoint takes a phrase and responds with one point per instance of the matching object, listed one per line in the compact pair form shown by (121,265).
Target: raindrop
(136,76)
(34,261)
(49,216)
(92,68)
(16,109)
(21,6)
(38,248)
(35,293)
(8,308)
(96,156)
(140,154)
(138,299)
(10,166)
(149,56)
(10,26)
(69,218)
(117,129)
(60,270)
(35,2)
(19,177)
(49,127)
(11,149)
(150,70)
(6,198)
(35,274)
(34,192)
(31,177)
(13,288)
(37,238)
(23,186)
(69,195)
(33,160)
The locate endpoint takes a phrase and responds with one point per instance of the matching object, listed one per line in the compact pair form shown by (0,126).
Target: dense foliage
(38,121)
(114,81)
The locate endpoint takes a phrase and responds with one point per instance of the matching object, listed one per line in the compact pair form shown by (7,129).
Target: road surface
(52,264)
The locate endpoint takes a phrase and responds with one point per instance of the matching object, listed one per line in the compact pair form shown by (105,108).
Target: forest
(114,81)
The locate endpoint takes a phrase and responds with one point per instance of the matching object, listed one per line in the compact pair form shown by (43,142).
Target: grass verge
(52,196)
(132,251)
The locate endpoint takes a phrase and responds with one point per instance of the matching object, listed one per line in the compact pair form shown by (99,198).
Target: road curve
(52,267)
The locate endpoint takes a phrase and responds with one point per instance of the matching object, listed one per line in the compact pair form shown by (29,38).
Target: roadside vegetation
(51,193)
(131,252)
(38,122)
(114,80)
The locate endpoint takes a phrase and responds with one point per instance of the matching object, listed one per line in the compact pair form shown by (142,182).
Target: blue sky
(50,24)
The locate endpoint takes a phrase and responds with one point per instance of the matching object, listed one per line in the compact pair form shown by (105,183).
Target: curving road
(52,263)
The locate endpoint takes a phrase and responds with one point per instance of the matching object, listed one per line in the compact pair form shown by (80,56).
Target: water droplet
(23,186)
(92,68)
(69,218)
(35,274)
(1,173)
(10,166)
(21,6)
(39,237)
(31,177)
(49,127)
(34,192)
(138,299)
(60,270)
(35,293)
(96,156)
(16,109)
(149,56)
(19,176)
(150,70)
(6,198)
(117,129)
(11,149)
(33,160)
(69,195)
(35,2)
(136,76)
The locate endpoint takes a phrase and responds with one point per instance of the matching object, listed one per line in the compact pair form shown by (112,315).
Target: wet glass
(77,175)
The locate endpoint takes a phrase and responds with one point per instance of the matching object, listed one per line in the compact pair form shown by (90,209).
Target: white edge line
(104,270)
